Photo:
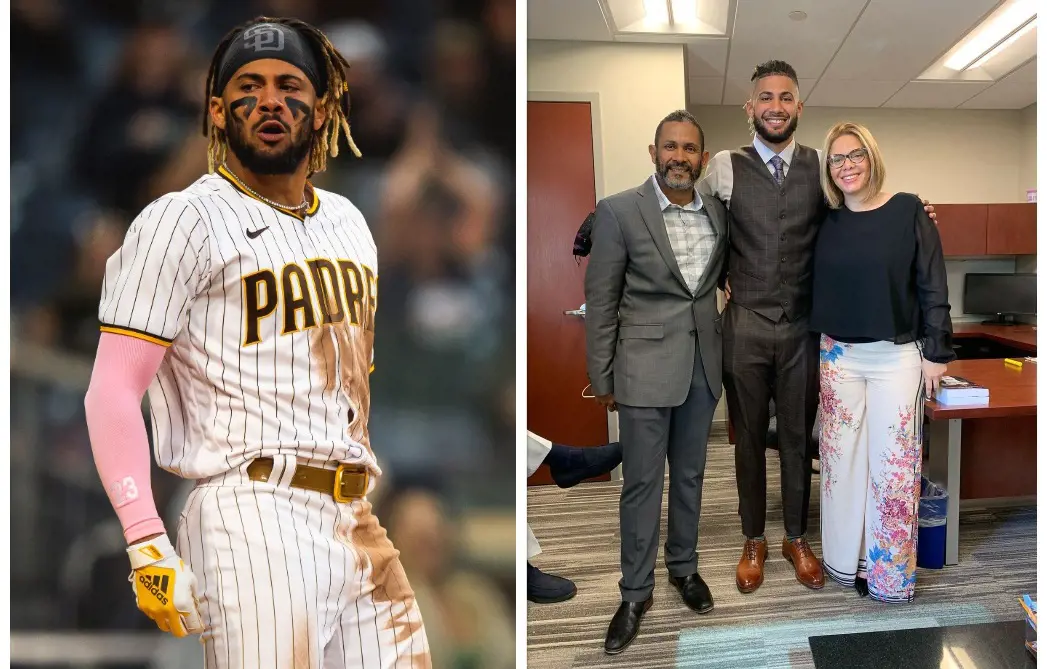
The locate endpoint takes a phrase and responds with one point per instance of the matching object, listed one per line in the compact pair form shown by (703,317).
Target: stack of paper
(954,390)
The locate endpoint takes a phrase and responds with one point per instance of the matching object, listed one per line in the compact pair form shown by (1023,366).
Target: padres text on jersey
(269,317)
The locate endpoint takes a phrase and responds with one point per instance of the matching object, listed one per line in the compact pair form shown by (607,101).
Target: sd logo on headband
(264,37)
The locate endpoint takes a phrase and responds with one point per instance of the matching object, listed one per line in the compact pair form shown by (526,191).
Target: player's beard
(674,182)
(286,161)
(772,137)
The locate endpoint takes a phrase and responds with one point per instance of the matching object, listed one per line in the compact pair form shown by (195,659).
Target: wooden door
(561,192)
(1011,229)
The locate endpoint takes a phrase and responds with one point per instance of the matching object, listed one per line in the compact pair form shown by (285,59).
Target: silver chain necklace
(305,203)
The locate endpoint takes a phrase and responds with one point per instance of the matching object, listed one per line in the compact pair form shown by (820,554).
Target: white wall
(1028,155)
(636,86)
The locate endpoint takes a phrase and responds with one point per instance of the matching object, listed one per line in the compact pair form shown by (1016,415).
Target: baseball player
(245,305)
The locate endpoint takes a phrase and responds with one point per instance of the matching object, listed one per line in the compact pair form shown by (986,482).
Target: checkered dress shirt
(691,234)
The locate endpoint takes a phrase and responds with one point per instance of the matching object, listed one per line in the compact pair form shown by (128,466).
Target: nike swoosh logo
(251,234)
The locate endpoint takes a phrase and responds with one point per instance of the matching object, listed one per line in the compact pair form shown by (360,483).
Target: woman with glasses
(881,305)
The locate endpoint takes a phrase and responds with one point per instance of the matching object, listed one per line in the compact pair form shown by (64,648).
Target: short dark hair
(775,67)
(681,115)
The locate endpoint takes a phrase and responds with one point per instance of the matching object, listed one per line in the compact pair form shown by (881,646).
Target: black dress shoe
(862,586)
(694,591)
(570,465)
(545,588)
(625,625)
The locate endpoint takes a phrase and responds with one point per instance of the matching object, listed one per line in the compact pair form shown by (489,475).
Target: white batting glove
(165,589)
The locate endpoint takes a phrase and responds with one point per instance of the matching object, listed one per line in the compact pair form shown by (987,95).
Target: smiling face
(679,155)
(851,174)
(775,108)
(270,114)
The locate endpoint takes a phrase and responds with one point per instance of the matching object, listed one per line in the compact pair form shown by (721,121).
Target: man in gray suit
(653,351)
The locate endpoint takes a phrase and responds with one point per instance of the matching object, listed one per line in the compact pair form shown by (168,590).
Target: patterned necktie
(779,171)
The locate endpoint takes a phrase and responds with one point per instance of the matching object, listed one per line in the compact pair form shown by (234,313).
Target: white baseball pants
(870,449)
(537,449)
(290,579)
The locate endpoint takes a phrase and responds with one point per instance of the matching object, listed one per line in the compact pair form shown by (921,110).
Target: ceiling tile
(935,94)
(763,30)
(832,93)
(1025,74)
(581,20)
(1004,95)
(899,39)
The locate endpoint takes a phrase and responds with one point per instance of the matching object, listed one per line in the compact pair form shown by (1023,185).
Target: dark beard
(690,179)
(768,136)
(285,162)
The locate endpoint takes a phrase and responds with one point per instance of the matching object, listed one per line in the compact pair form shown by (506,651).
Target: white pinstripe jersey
(269,319)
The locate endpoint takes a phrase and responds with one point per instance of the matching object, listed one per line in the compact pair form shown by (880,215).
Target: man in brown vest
(772,190)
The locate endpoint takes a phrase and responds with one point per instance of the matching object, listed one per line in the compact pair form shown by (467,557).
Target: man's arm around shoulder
(604,282)
(718,178)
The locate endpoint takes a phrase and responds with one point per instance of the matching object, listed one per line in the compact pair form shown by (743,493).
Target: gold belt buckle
(337,492)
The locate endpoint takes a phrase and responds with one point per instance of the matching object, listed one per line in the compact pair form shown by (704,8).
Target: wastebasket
(930,540)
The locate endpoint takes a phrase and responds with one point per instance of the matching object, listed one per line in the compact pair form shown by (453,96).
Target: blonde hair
(876,171)
(335,102)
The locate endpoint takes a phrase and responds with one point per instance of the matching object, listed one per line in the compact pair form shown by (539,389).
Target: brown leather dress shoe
(750,567)
(808,568)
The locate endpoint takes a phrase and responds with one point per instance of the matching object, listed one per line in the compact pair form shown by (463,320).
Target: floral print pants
(870,450)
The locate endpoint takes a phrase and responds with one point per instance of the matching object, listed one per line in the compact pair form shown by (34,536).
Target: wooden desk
(999,440)
(1018,336)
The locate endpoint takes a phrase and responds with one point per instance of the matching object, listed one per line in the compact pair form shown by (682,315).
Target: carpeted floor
(578,530)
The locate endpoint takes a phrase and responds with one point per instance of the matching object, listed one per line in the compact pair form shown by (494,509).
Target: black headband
(271,40)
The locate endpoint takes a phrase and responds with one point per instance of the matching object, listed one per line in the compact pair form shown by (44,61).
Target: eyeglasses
(856,157)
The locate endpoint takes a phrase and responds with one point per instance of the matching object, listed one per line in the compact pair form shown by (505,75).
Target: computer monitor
(1005,295)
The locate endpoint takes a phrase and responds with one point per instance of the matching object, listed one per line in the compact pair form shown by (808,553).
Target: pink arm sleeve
(124,368)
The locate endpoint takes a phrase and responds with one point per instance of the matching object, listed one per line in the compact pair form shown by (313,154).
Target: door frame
(593,98)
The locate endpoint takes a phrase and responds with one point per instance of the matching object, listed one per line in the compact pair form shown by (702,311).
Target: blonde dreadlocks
(335,101)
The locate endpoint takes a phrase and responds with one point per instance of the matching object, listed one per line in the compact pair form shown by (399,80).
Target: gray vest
(772,234)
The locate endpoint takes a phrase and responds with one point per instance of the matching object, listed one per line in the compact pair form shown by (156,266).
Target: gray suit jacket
(641,319)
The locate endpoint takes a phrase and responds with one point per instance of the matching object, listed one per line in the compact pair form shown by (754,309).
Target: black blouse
(879,275)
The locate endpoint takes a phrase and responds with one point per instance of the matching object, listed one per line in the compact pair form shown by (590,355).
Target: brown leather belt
(345,484)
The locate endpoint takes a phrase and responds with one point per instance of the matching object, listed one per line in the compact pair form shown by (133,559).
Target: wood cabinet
(987,229)
(1011,229)
(962,228)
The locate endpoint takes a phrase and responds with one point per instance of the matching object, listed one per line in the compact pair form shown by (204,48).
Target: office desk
(1018,336)
(998,440)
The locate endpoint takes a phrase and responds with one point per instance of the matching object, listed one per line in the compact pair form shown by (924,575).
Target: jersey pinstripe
(269,317)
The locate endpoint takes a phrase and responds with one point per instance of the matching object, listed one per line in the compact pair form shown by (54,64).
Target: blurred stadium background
(107,118)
